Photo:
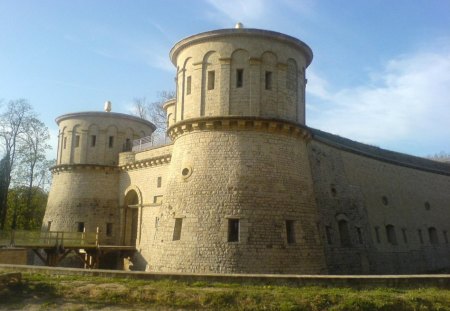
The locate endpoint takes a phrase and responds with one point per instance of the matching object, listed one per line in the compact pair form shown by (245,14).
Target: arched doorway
(131,218)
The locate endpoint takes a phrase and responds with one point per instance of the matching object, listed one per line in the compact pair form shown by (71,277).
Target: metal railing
(149,142)
(20,238)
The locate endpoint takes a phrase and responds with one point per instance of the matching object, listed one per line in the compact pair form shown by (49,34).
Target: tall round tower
(85,189)
(239,195)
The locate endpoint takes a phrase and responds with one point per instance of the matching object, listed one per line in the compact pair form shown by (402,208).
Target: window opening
(427,206)
(328,234)
(268,80)
(405,236)
(239,78)
(157,199)
(188,85)
(377,234)
(77,141)
(80,227)
(445,236)
(390,233)
(233,230)
(211,79)
(109,229)
(385,201)
(65,142)
(420,236)
(344,234)
(158,182)
(93,140)
(177,229)
(290,231)
(359,233)
(432,232)
(111,141)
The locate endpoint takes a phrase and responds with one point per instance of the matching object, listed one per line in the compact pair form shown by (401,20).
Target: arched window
(432,232)
(344,234)
(390,233)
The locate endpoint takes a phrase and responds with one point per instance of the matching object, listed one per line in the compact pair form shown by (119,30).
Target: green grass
(50,291)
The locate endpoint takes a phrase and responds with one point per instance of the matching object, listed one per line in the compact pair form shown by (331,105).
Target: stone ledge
(355,281)
(238,123)
(150,162)
(71,167)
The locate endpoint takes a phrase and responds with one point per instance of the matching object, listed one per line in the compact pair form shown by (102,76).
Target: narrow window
(427,206)
(420,236)
(405,236)
(211,78)
(432,232)
(233,230)
(80,227)
(111,141)
(93,140)
(65,142)
(77,141)
(290,231)
(128,146)
(344,234)
(109,229)
(359,233)
(390,233)
(188,85)
(239,77)
(328,234)
(445,236)
(157,199)
(384,199)
(377,234)
(158,182)
(177,229)
(268,80)
(49,225)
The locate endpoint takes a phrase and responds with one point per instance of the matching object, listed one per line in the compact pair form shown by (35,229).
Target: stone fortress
(245,186)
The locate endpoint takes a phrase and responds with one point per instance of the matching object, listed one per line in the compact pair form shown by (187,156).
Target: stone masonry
(245,186)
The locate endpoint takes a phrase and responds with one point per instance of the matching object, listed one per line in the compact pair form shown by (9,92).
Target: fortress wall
(260,179)
(394,200)
(87,195)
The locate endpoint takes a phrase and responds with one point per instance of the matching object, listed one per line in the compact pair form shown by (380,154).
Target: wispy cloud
(409,98)
(233,11)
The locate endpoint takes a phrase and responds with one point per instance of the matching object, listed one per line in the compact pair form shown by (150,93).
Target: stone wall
(397,216)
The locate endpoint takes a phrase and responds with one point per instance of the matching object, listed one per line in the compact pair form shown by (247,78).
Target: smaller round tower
(84,192)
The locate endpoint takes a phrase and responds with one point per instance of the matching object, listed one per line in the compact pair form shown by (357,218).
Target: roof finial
(239,25)
(107,106)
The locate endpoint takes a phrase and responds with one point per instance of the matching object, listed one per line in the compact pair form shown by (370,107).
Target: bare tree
(440,157)
(12,127)
(154,112)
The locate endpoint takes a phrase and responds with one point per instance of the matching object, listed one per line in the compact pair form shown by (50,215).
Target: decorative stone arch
(132,207)
(128,139)
(185,86)
(75,144)
(210,83)
(294,108)
(62,144)
(269,84)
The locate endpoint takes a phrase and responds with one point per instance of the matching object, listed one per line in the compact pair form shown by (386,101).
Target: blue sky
(380,73)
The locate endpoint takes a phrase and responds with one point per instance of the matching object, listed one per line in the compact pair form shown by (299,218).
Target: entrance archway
(131,218)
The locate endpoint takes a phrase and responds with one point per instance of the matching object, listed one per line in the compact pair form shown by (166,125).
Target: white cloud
(408,100)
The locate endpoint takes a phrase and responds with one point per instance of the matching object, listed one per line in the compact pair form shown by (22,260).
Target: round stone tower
(239,196)
(85,188)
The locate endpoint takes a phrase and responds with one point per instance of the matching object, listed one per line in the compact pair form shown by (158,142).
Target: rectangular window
(233,230)
(268,80)
(49,225)
(359,233)
(290,231)
(188,85)
(77,141)
(420,236)
(65,142)
(239,77)
(445,236)
(158,182)
(93,140)
(177,229)
(80,226)
(111,141)
(377,234)
(109,229)
(405,236)
(157,199)
(328,233)
(211,79)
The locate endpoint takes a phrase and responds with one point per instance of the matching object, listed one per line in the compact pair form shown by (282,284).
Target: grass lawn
(42,292)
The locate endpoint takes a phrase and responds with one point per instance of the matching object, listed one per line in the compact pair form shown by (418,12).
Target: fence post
(11,243)
(96,236)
